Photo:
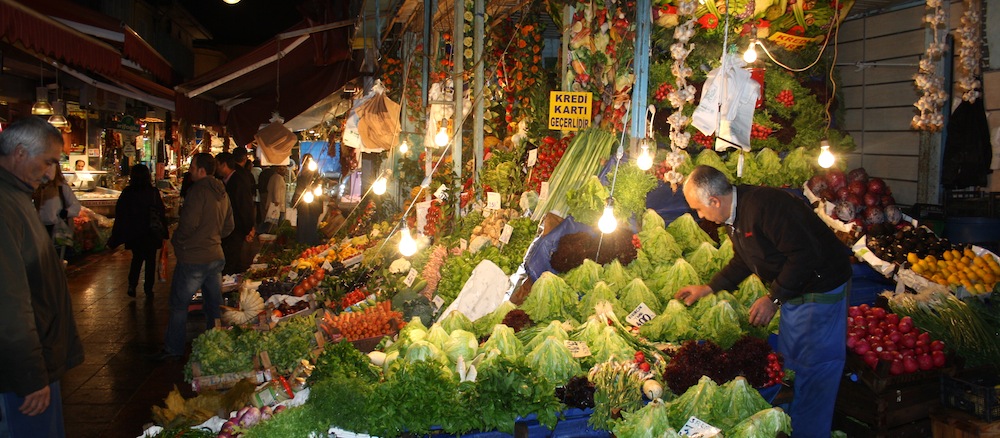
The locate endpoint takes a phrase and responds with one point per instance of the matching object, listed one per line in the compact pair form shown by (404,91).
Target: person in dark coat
(307,213)
(132,227)
(239,187)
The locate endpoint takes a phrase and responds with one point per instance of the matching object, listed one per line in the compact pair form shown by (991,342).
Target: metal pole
(477,88)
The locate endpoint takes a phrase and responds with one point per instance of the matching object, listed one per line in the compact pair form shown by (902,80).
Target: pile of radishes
(857,198)
(246,418)
(877,335)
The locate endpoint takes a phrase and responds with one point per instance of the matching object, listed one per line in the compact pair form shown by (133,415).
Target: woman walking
(140,224)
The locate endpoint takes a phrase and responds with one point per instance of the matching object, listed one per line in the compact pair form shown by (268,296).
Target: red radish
(906,325)
(861,346)
(925,362)
(892,318)
(938,357)
(926,337)
(937,345)
(909,340)
(910,365)
(896,368)
(853,311)
(871,358)
(878,312)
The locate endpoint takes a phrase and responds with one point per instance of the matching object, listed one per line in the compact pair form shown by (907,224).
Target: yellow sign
(570,110)
(792,42)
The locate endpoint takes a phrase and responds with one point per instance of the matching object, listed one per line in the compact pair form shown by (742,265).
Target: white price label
(327,266)
(532,157)
(506,233)
(543,191)
(698,428)
(292,275)
(493,200)
(354,260)
(463,244)
(410,277)
(437,302)
(640,315)
(441,192)
(577,348)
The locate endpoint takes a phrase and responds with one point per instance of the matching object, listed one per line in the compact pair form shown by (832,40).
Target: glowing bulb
(308,197)
(826,157)
(645,159)
(231,2)
(318,191)
(608,224)
(311,165)
(379,185)
(403,147)
(407,246)
(441,138)
(750,56)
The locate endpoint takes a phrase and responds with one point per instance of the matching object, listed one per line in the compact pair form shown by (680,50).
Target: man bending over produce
(807,270)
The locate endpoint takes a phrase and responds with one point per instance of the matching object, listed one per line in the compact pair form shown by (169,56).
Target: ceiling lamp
(42,107)
(57,118)
(231,2)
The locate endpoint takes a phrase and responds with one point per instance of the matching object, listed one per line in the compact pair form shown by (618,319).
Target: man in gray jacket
(40,341)
(206,217)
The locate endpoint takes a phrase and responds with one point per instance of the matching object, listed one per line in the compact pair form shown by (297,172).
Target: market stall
(536,297)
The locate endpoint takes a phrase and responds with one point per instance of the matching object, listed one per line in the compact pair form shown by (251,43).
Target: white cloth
(49,210)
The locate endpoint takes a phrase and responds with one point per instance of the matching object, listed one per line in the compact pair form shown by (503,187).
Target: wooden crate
(891,408)
(879,380)
(952,423)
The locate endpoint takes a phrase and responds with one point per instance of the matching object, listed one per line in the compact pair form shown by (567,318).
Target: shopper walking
(40,342)
(779,238)
(239,187)
(140,224)
(205,218)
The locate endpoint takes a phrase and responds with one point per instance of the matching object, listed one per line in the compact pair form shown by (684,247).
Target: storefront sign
(791,42)
(126,124)
(570,110)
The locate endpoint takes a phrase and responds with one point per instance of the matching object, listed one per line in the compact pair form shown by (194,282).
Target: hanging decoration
(970,51)
(521,77)
(929,83)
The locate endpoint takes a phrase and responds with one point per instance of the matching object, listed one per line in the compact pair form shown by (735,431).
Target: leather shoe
(131,292)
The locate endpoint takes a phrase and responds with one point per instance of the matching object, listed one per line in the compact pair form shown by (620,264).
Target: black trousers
(233,249)
(142,256)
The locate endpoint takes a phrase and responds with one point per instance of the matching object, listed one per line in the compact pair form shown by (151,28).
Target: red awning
(248,89)
(21,25)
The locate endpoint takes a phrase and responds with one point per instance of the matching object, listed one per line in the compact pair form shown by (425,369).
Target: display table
(101,200)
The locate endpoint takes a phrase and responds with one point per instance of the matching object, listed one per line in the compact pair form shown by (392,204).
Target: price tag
(410,277)
(532,157)
(543,191)
(327,266)
(437,302)
(441,192)
(900,287)
(463,244)
(695,428)
(640,315)
(493,200)
(292,275)
(354,260)
(505,234)
(577,348)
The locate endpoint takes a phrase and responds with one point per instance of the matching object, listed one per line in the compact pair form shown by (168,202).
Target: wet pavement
(112,392)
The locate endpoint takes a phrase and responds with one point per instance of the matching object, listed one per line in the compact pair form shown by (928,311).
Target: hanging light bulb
(608,224)
(318,191)
(441,138)
(231,2)
(403,147)
(379,185)
(42,107)
(311,165)
(308,197)
(57,119)
(407,246)
(826,157)
(750,56)
(645,160)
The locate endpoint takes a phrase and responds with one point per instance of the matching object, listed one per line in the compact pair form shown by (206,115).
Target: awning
(24,26)
(288,74)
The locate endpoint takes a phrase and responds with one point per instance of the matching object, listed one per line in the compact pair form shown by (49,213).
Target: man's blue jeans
(49,423)
(187,279)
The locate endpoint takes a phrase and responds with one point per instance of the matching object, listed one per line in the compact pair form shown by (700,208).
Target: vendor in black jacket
(776,236)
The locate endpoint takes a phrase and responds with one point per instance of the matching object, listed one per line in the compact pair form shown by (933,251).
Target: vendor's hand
(762,311)
(252,233)
(36,402)
(690,294)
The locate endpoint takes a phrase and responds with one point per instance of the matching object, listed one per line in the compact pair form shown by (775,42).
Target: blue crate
(573,423)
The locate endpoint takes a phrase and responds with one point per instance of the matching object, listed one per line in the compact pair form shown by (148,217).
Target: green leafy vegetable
(651,421)
(697,401)
(343,359)
(610,345)
(553,330)
(506,389)
(674,324)
(651,220)
(456,320)
(737,400)
(636,293)
(583,277)
(679,275)
(721,323)
(462,344)
(504,341)
(484,326)
(552,359)
(586,202)
(418,396)
(631,188)
(550,299)
(687,233)
(704,260)
(766,423)
(616,276)
(596,294)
